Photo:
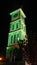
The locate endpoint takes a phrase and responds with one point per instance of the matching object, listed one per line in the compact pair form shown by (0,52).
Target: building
(17,30)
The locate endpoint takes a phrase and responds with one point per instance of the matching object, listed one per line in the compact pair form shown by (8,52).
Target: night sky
(8,6)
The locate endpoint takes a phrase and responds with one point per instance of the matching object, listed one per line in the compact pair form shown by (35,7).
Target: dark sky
(5,8)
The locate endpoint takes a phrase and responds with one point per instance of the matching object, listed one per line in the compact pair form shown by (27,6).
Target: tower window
(16,25)
(12,27)
(11,39)
(14,38)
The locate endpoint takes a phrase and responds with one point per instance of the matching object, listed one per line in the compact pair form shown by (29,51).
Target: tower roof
(14,12)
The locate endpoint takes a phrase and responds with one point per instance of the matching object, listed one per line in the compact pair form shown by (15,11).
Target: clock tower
(17,30)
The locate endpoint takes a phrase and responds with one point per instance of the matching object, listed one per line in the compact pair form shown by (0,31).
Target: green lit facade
(17,30)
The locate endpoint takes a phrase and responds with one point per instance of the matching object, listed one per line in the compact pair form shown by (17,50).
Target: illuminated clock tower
(17,30)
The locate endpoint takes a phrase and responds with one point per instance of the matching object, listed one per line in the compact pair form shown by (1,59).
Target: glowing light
(1,58)
(18,38)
